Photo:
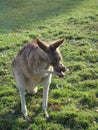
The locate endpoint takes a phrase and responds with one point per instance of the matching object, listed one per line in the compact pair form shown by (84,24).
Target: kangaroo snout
(60,68)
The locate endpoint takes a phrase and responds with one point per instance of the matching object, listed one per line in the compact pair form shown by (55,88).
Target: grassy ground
(73,101)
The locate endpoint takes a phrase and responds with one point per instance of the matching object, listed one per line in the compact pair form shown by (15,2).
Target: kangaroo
(34,64)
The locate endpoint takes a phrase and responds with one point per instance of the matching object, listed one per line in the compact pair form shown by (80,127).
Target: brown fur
(30,59)
(33,65)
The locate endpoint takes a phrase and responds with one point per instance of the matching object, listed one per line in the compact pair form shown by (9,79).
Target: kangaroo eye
(59,58)
(56,58)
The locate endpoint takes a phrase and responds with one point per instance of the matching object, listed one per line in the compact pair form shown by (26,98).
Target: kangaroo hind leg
(20,82)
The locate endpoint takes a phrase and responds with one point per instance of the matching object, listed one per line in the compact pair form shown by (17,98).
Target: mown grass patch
(73,101)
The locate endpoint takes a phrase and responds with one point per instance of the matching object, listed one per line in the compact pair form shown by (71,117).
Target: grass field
(73,101)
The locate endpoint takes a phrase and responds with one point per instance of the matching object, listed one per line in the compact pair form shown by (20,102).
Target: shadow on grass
(25,14)
(13,119)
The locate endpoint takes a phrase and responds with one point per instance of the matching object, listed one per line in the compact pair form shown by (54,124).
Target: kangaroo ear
(56,44)
(42,45)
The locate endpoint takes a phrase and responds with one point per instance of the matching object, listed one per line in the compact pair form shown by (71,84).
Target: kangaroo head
(54,55)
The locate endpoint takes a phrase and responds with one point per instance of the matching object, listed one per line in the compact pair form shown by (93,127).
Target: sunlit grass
(73,101)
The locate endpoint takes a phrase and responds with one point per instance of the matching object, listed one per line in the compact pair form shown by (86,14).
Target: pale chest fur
(36,76)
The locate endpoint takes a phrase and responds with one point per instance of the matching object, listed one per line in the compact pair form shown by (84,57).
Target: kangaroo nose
(62,68)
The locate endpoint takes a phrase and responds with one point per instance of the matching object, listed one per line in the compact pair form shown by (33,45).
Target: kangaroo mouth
(59,71)
(59,74)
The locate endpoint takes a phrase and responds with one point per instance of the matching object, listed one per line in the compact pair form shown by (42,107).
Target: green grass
(73,101)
